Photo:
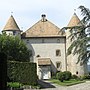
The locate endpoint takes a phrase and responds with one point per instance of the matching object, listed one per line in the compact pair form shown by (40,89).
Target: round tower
(11,28)
(72,65)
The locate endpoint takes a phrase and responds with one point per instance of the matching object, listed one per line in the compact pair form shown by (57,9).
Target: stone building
(49,46)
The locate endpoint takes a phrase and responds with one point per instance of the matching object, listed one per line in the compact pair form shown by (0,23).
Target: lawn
(14,84)
(18,85)
(66,83)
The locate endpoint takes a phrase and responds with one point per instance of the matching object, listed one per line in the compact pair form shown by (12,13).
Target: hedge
(23,72)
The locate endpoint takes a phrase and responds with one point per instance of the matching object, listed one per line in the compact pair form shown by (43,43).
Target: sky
(28,12)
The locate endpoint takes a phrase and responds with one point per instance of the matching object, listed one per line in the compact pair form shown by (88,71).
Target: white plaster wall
(9,32)
(17,33)
(48,50)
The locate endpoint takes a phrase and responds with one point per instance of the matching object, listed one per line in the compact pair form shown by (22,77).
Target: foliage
(53,75)
(14,84)
(67,75)
(60,76)
(80,37)
(74,76)
(22,72)
(14,48)
(86,76)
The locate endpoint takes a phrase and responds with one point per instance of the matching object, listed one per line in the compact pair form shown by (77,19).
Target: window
(76,72)
(14,32)
(27,40)
(38,56)
(43,40)
(58,40)
(10,34)
(58,65)
(58,53)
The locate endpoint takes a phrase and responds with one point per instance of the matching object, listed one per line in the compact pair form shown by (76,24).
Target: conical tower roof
(74,21)
(11,24)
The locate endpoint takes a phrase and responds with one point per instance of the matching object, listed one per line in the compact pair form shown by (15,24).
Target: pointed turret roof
(74,21)
(43,28)
(11,24)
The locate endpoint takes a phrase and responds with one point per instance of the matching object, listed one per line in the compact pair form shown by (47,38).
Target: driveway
(49,86)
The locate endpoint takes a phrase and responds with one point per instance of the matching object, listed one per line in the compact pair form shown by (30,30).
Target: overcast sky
(28,12)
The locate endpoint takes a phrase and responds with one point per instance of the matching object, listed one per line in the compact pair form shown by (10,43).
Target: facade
(49,46)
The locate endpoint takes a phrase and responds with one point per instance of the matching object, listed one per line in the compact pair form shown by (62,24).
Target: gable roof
(11,24)
(44,61)
(74,21)
(43,28)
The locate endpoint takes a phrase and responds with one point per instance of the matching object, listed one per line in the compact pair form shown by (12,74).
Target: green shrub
(53,75)
(86,76)
(23,72)
(60,76)
(74,76)
(67,75)
(14,84)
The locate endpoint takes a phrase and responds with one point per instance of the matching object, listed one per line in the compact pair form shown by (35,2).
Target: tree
(80,37)
(3,71)
(14,48)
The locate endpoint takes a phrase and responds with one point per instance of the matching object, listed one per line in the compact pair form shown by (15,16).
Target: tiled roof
(74,21)
(43,29)
(44,61)
(11,24)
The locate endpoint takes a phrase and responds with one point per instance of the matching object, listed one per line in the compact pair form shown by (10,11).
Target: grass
(18,85)
(66,83)
(13,84)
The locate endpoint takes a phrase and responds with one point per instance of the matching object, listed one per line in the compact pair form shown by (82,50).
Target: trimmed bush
(23,72)
(74,76)
(60,76)
(67,75)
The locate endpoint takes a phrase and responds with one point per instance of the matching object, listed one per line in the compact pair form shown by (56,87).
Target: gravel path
(82,86)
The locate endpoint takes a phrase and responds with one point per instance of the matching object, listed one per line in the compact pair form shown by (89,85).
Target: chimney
(43,17)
